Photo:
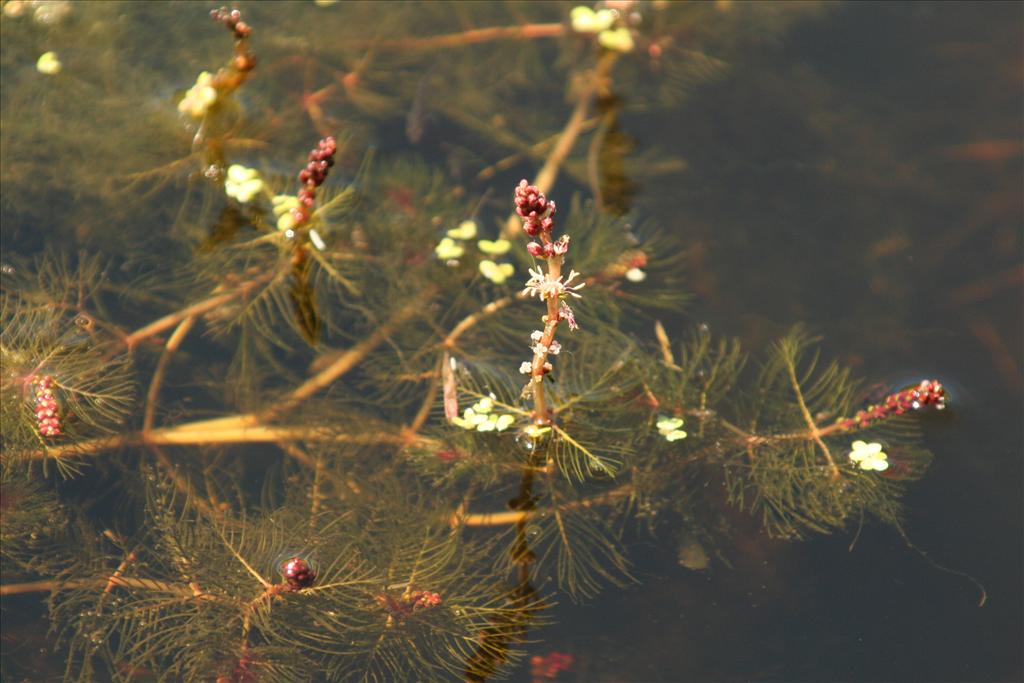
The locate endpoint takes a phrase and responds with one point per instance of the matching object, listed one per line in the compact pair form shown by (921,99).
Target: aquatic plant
(316,488)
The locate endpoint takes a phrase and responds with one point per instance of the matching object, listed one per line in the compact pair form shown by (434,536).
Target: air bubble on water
(704,328)
(526,442)
(532,531)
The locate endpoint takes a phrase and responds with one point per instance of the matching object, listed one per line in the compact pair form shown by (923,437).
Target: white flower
(470,419)
(495,272)
(242,183)
(616,40)
(465,231)
(286,222)
(504,422)
(200,97)
(480,418)
(543,286)
(571,289)
(669,427)
(448,249)
(586,20)
(48,64)
(537,278)
(869,456)
(540,350)
(495,248)
(283,204)
(526,367)
(496,423)
(536,335)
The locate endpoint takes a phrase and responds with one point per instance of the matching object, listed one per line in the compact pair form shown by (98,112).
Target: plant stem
(535,150)
(49,585)
(472,319)
(508,517)
(350,358)
(815,434)
(196,309)
(248,428)
(549,171)
(161,368)
(192,435)
(473,36)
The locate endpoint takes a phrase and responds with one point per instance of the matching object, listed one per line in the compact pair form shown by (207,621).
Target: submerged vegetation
(301,386)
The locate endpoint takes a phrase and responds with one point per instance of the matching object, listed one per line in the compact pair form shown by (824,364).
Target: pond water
(854,167)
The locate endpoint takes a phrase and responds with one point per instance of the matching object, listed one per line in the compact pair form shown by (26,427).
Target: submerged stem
(473,36)
(814,432)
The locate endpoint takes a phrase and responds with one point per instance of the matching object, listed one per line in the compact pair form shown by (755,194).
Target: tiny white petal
(636,275)
(317,240)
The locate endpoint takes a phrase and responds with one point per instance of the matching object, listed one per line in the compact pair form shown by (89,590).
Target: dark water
(793,221)
(858,168)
